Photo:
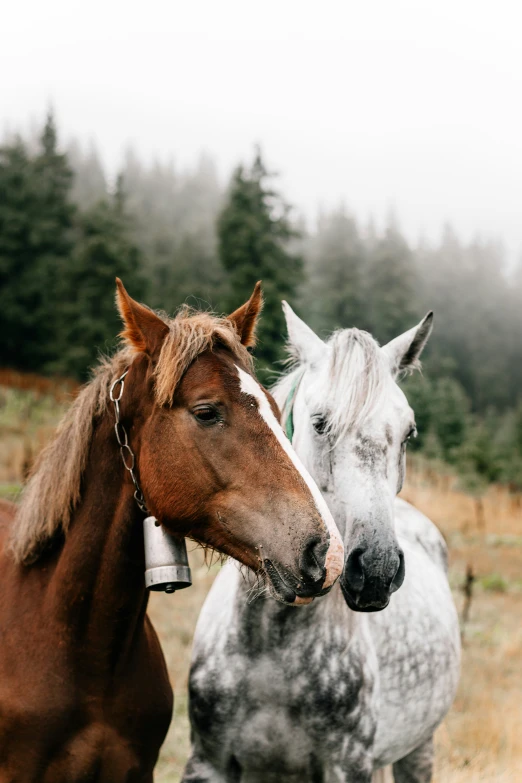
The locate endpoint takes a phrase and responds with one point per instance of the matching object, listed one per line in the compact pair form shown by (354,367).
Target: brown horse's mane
(53,490)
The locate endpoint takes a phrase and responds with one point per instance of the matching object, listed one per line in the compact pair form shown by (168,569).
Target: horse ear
(403,352)
(144,331)
(303,343)
(245,317)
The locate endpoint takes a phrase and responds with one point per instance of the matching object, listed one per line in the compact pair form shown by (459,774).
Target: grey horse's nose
(398,579)
(354,572)
(371,577)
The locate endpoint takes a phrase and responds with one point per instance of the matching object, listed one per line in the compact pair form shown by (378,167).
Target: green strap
(288,411)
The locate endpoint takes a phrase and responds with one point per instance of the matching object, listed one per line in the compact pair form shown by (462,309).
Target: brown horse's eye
(206,414)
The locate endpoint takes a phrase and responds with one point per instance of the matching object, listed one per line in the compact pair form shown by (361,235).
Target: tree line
(178,236)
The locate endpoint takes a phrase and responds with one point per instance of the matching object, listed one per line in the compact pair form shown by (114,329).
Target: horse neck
(96,591)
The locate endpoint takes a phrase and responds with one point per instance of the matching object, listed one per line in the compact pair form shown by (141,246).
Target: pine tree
(57,265)
(450,416)
(53,180)
(88,315)
(20,290)
(390,287)
(254,231)
(174,218)
(90,184)
(336,259)
(36,240)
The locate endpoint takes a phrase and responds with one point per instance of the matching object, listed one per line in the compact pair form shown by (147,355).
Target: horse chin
(354,604)
(299,601)
(285,598)
(280,590)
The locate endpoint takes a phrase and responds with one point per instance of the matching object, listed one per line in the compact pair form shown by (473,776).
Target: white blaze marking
(335,555)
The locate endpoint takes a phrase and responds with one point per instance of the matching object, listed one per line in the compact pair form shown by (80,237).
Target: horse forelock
(190,334)
(53,490)
(358,378)
(355,379)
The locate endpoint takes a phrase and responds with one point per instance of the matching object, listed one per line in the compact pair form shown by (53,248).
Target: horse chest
(418,642)
(291,708)
(63,719)
(69,743)
(97,753)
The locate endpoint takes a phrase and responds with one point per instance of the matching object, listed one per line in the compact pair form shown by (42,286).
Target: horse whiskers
(251,579)
(210,555)
(258,588)
(262,591)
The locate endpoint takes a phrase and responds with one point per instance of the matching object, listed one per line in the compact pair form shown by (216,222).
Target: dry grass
(174,618)
(481,739)
(480,742)
(28,419)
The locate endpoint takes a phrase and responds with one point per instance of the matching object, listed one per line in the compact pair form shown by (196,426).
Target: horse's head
(213,462)
(352,423)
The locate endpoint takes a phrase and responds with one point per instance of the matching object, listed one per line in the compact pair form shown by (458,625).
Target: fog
(404,105)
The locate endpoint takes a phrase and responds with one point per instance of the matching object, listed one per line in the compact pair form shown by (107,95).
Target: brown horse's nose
(313,565)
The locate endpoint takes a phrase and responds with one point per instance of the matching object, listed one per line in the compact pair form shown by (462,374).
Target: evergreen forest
(182,236)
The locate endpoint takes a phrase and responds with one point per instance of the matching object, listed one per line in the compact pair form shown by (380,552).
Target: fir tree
(36,240)
(88,315)
(53,180)
(390,287)
(20,290)
(90,185)
(254,231)
(336,260)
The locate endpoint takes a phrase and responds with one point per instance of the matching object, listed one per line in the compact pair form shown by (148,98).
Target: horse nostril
(398,579)
(313,560)
(354,571)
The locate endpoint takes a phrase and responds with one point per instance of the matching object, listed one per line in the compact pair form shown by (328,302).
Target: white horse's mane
(356,380)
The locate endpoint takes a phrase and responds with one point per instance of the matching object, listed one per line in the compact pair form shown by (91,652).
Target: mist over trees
(183,236)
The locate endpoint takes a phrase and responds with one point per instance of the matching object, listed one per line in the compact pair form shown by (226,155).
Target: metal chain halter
(127,454)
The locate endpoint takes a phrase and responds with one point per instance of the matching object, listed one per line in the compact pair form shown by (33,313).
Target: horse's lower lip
(282,591)
(302,601)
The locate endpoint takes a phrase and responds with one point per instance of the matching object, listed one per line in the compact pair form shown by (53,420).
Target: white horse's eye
(319,424)
(411,434)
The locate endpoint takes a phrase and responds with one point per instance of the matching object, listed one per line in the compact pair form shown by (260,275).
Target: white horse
(329,693)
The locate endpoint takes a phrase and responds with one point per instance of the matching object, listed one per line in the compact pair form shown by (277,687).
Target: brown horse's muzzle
(319,567)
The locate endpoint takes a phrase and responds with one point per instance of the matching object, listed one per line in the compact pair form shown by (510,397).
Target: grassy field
(481,740)
(28,418)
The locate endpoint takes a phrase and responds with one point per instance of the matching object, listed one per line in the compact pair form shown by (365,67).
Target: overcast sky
(413,105)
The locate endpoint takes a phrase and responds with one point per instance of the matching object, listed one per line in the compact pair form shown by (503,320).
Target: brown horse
(84,691)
